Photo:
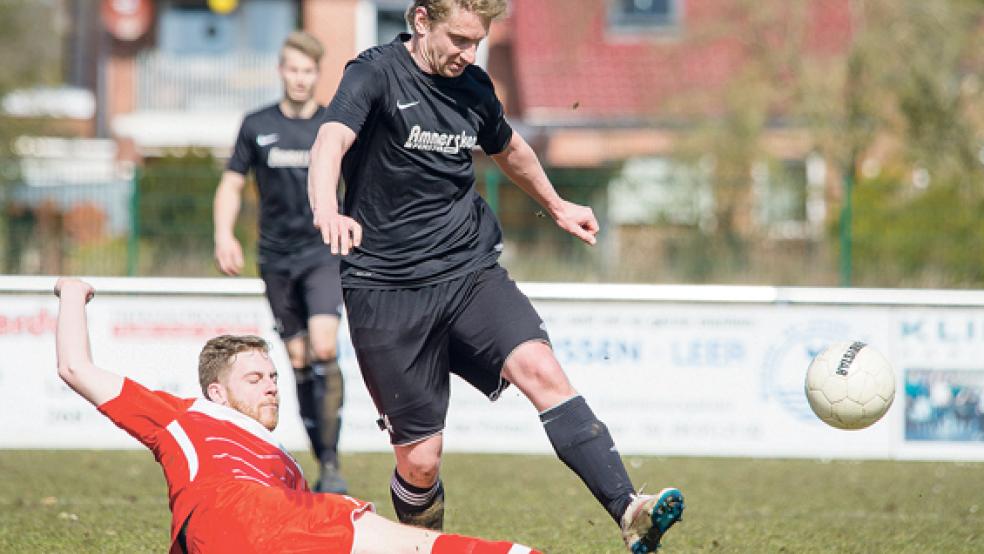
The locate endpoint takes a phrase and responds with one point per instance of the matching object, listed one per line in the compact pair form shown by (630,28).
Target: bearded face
(266,411)
(249,386)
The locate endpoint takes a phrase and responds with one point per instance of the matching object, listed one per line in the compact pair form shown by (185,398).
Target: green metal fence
(150,221)
(156,221)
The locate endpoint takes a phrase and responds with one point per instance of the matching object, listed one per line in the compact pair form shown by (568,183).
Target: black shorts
(300,286)
(409,340)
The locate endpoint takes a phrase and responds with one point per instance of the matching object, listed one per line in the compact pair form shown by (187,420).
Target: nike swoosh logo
(265,140)
(402,106)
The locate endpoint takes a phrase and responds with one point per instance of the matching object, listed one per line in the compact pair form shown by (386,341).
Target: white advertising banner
(671,370)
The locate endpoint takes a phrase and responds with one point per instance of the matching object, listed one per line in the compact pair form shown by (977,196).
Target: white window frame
(620,23)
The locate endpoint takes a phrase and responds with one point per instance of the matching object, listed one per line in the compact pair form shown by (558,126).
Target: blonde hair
(439,10)
(305,43)
(218,353)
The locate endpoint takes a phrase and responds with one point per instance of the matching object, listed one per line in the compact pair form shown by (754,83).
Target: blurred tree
(900,110)
(32,29)
(931,238)
(914,131)
(31,46)
(175,211)
(768,90)
(30,38)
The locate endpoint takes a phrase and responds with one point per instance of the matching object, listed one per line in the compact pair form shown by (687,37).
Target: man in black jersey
(421,280)
(300,272)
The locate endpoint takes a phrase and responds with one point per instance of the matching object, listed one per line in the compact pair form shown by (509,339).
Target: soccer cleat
(648,517)
(330,481)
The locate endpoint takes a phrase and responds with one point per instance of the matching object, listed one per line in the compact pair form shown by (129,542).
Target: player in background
(232,487)
(424,290)
(299,271)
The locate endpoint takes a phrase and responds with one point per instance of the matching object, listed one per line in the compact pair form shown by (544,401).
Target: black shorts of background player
(420,274)
(299,271)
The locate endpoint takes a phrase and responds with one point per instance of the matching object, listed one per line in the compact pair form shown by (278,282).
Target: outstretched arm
(75,365)
(338,231)
(520,164)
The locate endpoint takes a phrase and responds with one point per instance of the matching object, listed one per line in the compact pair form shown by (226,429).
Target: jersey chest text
(422,128)
(419,138)
(278,151)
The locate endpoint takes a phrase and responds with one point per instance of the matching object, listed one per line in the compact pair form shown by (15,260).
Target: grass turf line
(95,501)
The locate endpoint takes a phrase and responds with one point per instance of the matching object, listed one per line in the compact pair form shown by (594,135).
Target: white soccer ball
(850,385)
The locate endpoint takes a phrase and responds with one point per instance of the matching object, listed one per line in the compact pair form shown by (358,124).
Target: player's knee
(422,470)
(322,351)
(423,476)
(297,360)
(543,374)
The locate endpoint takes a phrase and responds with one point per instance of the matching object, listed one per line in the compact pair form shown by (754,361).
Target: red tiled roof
(564,55)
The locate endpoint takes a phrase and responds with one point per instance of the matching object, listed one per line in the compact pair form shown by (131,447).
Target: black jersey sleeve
(243,154)
(360,89)
(496,132)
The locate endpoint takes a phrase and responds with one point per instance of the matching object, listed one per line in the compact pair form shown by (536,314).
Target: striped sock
(420,507)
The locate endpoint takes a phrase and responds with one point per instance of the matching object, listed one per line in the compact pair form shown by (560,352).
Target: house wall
(334,23)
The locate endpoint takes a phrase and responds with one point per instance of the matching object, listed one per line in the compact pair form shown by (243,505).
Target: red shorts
(244,517)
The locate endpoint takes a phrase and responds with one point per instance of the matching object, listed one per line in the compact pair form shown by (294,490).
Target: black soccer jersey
(409,179)
(278,149)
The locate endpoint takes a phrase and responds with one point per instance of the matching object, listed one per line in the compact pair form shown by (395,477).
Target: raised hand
(71,285)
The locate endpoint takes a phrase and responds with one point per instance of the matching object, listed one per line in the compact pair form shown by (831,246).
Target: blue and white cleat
(648,517)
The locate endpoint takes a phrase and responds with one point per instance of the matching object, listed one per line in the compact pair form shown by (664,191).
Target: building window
(641,15)
(190,28)
(378,22)
(390,20)
(194,30)
(662,191)
(786,198)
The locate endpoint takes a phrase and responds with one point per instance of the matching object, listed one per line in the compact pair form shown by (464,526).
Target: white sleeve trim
(187,448)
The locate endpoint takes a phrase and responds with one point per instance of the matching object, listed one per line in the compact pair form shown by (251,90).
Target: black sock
(310,388)
(329,396)
(584,444)
(420,507)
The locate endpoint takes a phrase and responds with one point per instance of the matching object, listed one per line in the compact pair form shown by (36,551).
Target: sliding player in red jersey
(232,487)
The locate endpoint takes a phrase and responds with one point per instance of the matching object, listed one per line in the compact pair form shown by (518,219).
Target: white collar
(237,418)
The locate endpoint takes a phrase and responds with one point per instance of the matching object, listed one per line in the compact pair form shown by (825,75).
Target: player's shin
(307,395)
(326,399)
(420,507)
(329,396)
(585,445)
(306,382)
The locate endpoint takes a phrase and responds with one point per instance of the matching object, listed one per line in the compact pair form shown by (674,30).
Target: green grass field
(89,501)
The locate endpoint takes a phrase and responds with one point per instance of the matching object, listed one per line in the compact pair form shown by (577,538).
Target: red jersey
(216,460)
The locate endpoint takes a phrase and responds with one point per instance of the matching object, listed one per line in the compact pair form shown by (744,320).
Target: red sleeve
(143,413)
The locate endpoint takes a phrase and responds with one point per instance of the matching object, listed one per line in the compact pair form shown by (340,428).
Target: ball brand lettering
(848,357)
(283,157)
(436,141)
